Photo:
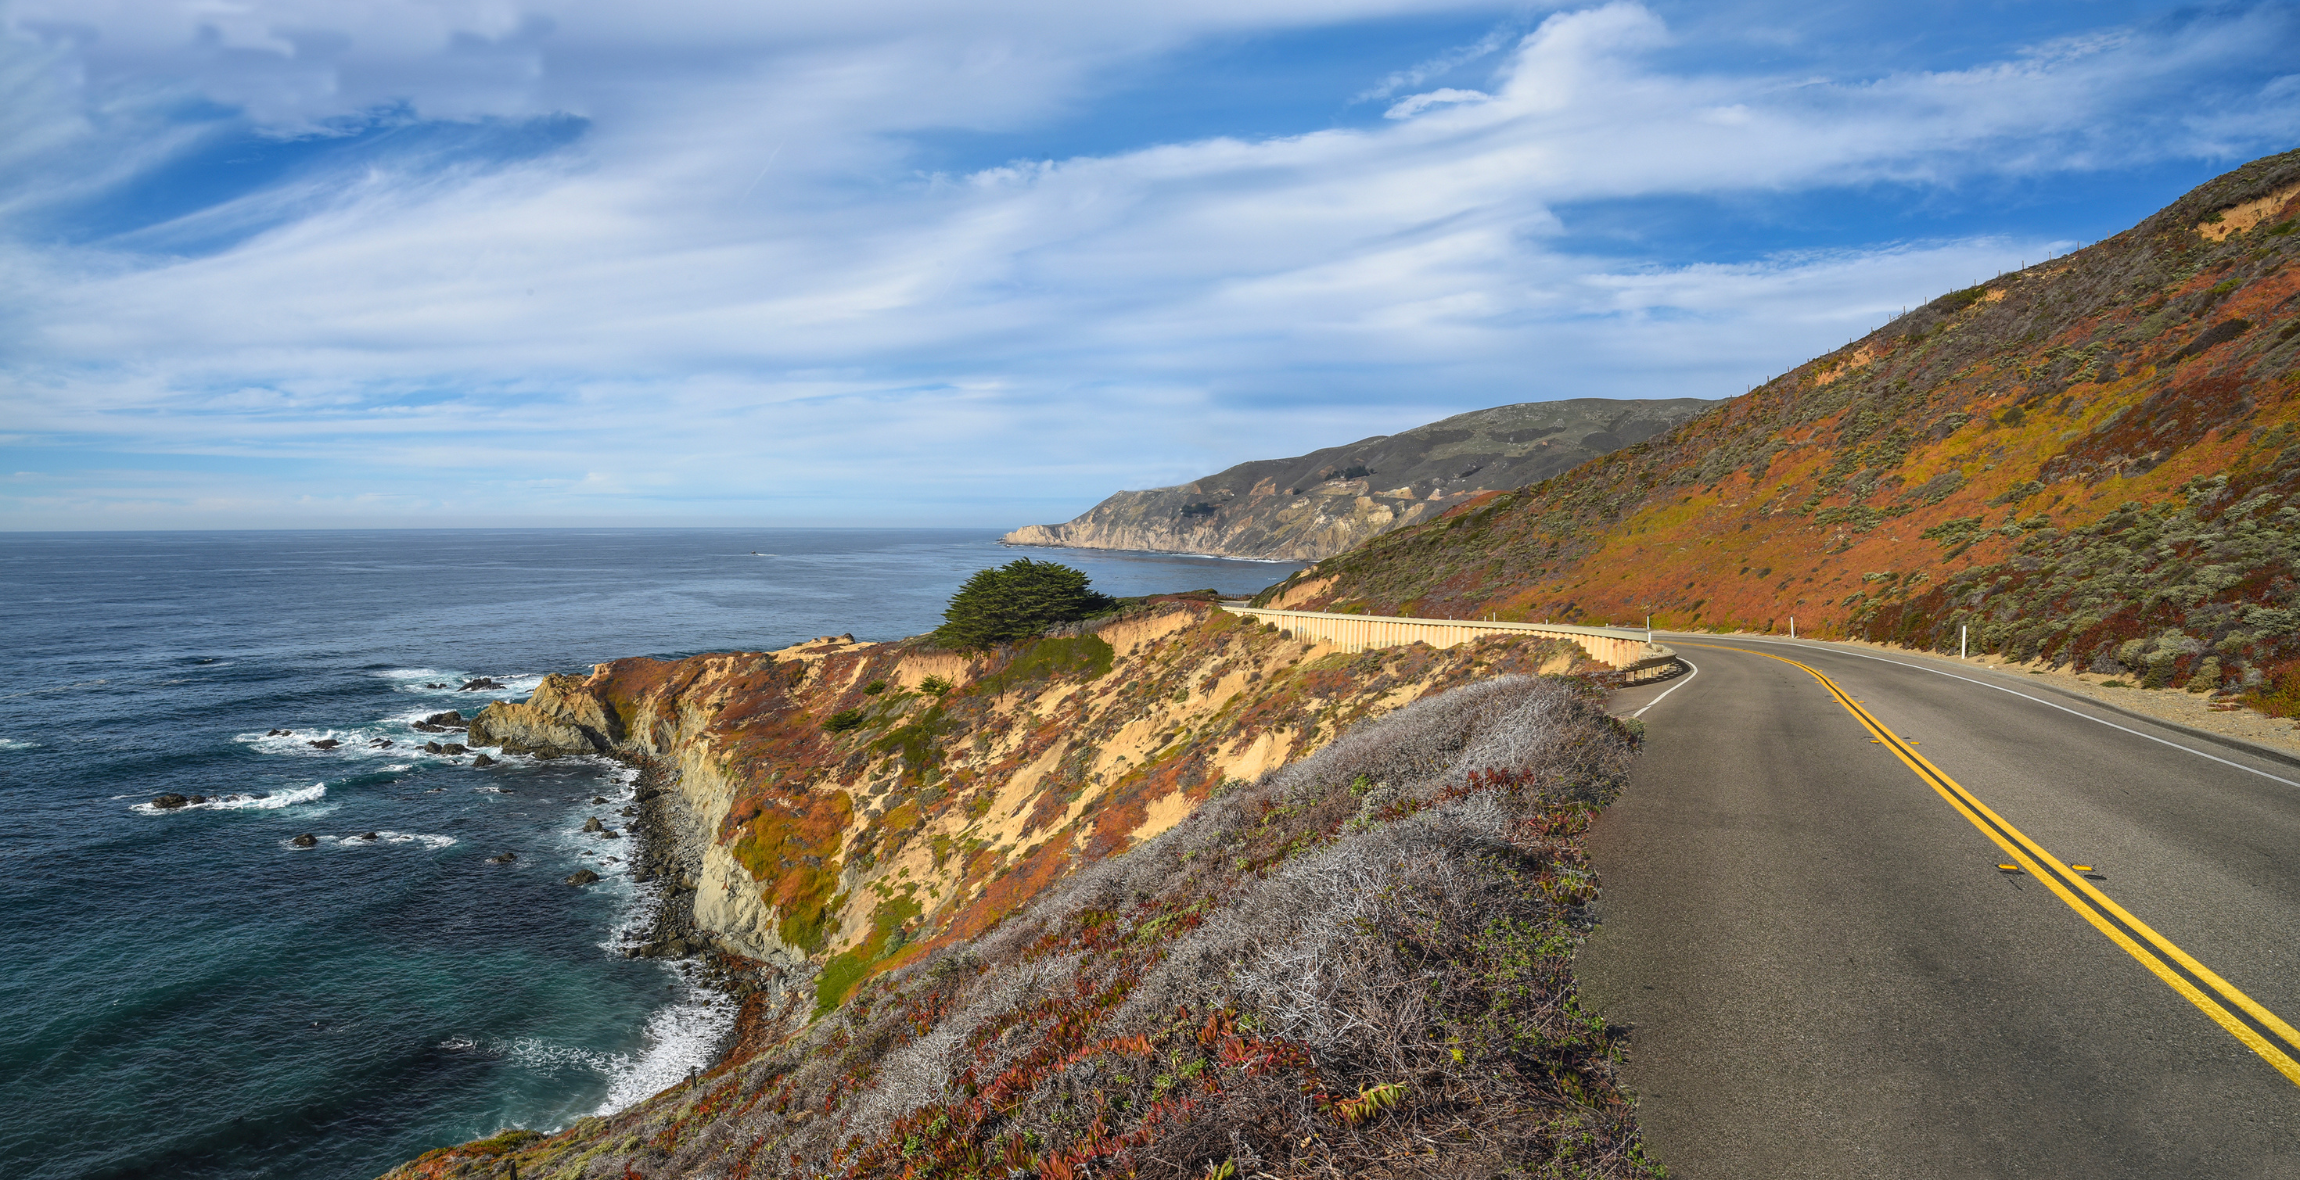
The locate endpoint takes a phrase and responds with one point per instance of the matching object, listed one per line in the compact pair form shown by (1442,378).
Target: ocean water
(191,996)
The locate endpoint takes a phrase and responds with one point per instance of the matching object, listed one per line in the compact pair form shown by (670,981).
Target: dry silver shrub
(921,1071)
(1304,946)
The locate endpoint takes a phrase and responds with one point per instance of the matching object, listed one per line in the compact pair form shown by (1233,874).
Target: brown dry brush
(1360,965)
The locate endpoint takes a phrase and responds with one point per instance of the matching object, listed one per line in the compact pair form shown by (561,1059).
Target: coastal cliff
(1360,958)
(1317,505)
(864,802)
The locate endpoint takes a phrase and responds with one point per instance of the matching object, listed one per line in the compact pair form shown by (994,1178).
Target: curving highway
(1844,917)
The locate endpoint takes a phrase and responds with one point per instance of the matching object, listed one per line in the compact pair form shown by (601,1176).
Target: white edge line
(1672,688)
(2001,688)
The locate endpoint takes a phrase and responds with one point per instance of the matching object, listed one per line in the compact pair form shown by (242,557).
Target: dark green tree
(1015,601)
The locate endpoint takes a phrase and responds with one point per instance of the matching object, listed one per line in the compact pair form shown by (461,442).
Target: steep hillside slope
(2095,461)
(1322,503)
(853,805)
(1359,965)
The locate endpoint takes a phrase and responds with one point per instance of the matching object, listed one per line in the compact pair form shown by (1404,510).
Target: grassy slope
(1359,965)
(2095,461)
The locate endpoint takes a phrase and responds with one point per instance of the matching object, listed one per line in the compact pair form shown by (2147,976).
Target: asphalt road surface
(1827,974)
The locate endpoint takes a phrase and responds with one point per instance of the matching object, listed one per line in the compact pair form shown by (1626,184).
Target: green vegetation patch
(1015,601)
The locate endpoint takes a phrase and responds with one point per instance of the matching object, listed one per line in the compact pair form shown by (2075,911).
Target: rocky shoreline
(667,847)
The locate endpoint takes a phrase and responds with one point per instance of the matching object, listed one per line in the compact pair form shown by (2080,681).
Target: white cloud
(739,295)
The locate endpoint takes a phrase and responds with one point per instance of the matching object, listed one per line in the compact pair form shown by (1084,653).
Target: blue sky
(312,263)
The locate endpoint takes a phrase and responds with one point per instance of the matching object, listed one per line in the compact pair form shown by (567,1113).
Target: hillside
(2094,461)
(851,806)
(1357,965)
(1325,502)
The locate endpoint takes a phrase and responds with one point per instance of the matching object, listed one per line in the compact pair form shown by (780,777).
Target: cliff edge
(864,802)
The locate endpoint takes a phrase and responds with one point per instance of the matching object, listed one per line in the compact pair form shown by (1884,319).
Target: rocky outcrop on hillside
(2093,462)
(862,802)
(1323,503)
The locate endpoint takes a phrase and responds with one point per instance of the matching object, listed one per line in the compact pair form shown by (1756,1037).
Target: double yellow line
(2245,1019)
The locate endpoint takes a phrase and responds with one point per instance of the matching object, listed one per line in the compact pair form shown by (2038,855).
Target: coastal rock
(610,834)
(454,748)
(450,717)
(593,825)
(366,836)
(503,859)
(433,748)
(380,744)
(199,798)
(481,684)
(482,761)
(582,877)
(169,802)
(305,840)
(324,744)
(560,718)
(427,727)
(598,799)
(279,733)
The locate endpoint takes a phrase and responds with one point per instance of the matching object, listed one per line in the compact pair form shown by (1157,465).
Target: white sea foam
(13,744)
(245,801)
(680,1037)
(431,843)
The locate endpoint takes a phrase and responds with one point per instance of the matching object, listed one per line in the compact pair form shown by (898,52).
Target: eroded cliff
(865,802)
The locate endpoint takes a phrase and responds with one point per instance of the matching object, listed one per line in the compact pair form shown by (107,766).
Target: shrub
(934,686)
(1017,600)
(874,688)
(844,720)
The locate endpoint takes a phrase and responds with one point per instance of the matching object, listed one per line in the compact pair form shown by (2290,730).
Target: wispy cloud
(688,265)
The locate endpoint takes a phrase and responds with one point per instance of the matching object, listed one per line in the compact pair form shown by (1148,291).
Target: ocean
(193,995)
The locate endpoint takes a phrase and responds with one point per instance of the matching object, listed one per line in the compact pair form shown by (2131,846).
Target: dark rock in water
(427,727)
(614,860)
(598,798)
(628,811)
(450,717)
(482,760)
(324,744)
(642,876)
(435,685)
(479,685)
(593,825)
(381,743)
(305,841)
(367,836)
(610,834)
(433,748)
(453,748)
(169,802)
(279,733)
(199,798)
(504,859)
(582,877)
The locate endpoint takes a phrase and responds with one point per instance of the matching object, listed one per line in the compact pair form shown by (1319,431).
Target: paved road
(1827,975)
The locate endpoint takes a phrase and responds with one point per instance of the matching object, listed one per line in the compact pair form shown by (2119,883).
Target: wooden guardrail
(1624,648)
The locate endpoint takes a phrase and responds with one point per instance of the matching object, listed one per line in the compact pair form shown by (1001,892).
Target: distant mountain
(1327,501)
(2094,461)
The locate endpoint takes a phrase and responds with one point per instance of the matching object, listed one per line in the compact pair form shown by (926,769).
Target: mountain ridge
(1320,504)
(2090,462)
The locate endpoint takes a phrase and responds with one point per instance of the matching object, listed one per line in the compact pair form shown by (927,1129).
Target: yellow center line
(2167,961)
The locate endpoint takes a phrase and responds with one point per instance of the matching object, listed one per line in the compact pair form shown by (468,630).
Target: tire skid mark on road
(2260,1030)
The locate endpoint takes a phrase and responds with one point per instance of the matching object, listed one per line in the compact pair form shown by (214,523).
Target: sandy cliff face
(1323,503)
(934,813)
